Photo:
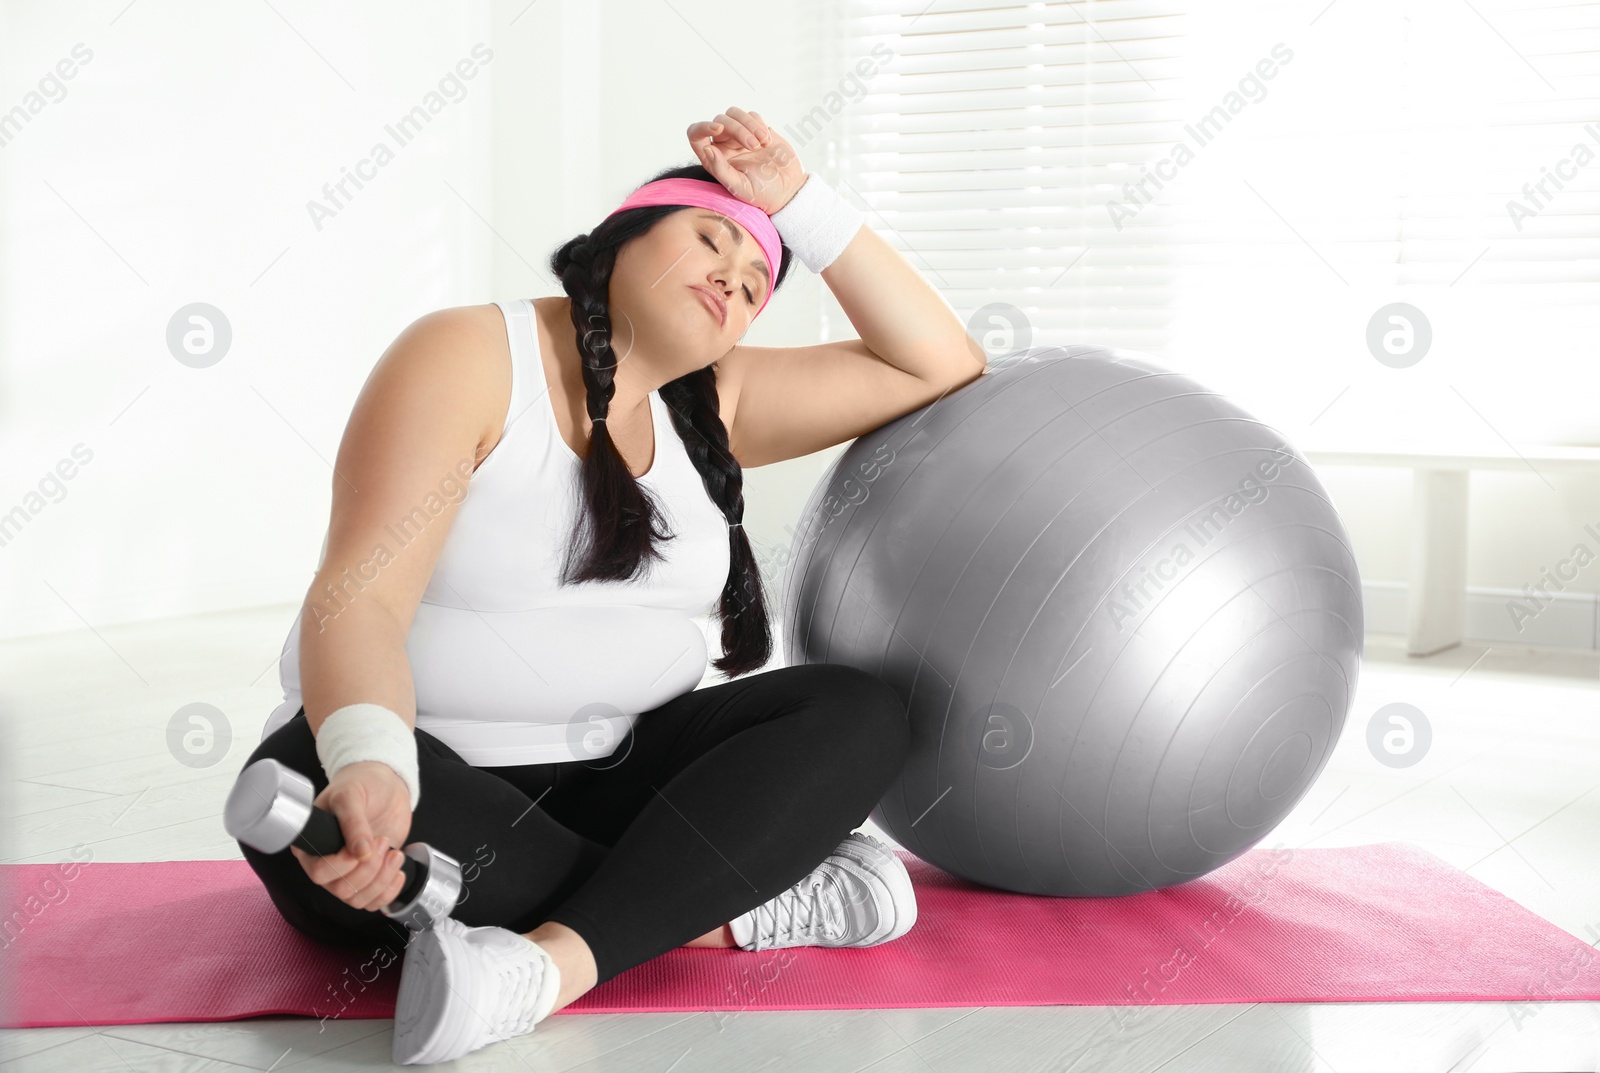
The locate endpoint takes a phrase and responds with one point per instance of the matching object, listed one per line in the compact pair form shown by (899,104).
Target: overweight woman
(497,655)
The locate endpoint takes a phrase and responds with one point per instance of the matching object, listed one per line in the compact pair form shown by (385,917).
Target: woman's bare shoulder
(464,347)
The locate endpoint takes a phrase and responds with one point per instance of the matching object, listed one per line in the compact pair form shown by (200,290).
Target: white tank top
(509,666)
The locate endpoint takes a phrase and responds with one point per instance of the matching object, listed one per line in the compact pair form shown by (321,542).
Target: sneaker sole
(885,866)
(430,982)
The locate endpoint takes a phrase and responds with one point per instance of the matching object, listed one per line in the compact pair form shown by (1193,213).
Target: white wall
(177,168)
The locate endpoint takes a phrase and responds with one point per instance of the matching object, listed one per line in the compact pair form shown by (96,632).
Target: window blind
(1236,190)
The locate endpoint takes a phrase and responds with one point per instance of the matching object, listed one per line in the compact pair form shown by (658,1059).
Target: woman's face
(660,279)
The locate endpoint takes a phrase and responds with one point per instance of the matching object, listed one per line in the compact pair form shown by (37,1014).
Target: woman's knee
(871,714)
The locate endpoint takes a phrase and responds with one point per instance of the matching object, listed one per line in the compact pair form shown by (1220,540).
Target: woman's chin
(703,325)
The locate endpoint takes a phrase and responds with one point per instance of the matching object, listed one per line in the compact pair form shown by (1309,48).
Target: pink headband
(699,193)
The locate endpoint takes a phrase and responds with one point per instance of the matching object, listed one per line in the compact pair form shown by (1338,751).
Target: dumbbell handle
(322,837)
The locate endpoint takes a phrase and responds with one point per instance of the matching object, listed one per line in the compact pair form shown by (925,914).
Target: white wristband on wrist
(817,223)
(359,732)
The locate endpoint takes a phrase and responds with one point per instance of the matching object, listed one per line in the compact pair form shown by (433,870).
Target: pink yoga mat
(200,941)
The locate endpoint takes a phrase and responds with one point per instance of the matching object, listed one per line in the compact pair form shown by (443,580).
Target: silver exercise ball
(1122,614)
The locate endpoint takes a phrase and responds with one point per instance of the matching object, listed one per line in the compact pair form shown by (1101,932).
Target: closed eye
(748,296)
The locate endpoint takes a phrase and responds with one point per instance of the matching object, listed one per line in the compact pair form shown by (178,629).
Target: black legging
(712,804)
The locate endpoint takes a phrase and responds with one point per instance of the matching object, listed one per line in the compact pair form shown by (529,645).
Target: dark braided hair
(619,523)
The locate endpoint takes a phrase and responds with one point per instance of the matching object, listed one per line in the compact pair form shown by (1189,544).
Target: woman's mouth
(714,303)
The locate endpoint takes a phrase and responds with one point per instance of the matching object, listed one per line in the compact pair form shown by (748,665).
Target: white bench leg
(1436,602)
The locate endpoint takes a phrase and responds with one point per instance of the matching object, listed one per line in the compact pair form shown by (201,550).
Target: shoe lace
(802,911)
(519,984)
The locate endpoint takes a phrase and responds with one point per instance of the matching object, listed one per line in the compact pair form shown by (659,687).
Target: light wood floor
(1510,793)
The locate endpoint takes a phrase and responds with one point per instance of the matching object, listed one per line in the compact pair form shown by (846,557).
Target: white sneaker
(859,896)
(462,988)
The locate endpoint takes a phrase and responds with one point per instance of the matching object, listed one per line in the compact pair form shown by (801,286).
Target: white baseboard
(1568,620)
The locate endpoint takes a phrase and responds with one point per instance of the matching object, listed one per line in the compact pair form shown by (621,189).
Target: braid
(616,531)
(692,400)
(613,552)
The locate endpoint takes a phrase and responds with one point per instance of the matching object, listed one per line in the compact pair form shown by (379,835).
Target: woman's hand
(749,158)
(373,805)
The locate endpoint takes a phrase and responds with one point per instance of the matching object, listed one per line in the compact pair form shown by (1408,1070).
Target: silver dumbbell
(270,809)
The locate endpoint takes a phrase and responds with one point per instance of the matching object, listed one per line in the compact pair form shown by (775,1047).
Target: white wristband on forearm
(359,732)
(817,223)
